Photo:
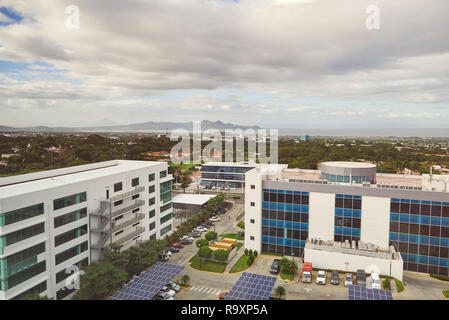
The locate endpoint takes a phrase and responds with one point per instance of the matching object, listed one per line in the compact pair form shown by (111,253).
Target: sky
(272,63)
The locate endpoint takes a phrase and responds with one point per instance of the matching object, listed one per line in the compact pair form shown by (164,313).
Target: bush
(255,253)
(440,277)
(221,255)
(211,235)
(250,260)
(201,243)
(250,252)
(386,284)
(399,285)
(246,251)
(205,252)
(446,293)
(241,225)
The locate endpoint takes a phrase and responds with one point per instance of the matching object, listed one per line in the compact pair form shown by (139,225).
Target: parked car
(375,281)
(360,278)
(349,280)
(321,277)
(167,253)
(173,249)
(163,257)
(201,229)
(223,295)
(174,286)
(194,235)
(177,245)
(275,267)
(168,290)
(163,296)
(335,278)
(185,241)
(187,238)
(215,219)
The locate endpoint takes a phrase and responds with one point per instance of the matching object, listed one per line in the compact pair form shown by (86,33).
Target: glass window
(69,200)
(163,174)
(70,217)
(135,182)
(21,214)
(118,186)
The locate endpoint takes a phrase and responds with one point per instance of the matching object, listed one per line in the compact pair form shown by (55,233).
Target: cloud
(219,52)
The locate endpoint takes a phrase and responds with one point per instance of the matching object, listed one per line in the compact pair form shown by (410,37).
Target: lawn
(399,285)
(287,276)
(207,265)
(231,236)
(239,245)
(446,293)
(241,264)
(241,225)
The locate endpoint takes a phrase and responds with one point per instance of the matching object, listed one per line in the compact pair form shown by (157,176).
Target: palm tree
(280,292)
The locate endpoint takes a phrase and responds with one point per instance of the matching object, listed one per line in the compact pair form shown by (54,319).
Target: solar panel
(252,286)
(148,283)
(364,293)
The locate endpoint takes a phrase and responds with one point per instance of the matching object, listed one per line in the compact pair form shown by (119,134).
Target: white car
(163,296)
(213,219)
(349,280)
(174,286)
(168,253)
(168,290)
(321,277)
(186,238)
(201,229)
(375,281)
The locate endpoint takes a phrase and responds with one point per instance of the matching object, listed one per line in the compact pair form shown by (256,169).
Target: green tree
(211,235)
(250,260)
(185,279)
(201,243)
(255,253)
(221,255)
(100,280)
(204,253)
(246,251)
(280,292)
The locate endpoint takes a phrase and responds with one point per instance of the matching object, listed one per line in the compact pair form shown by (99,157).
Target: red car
(223,295)
(177,245)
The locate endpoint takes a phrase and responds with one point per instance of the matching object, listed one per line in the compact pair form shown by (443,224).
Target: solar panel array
(148,283)
(252,286)
(364,293)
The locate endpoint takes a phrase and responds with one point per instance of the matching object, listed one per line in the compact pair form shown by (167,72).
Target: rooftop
(26,183)
(195,199)
(349,164)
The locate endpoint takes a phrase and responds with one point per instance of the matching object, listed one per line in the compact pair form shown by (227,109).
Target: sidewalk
(240,253)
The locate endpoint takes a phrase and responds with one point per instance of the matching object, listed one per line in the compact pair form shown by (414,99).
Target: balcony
(136,204)
(128,194)
(117,227)
(130,236)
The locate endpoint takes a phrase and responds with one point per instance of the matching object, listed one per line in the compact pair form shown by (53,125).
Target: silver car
(349,280)
(174,286)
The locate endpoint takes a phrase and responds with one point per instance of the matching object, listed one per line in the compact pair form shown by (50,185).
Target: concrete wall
(375,224)
(252,177)
(321,215)
(336,261)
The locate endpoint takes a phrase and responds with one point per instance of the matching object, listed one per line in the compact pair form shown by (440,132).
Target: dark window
(117,203)
(252,221)
(69,200)
(253,186)
(21,214)
(252,204)
(135,182)
(251,237)
(118,187)
(136,196)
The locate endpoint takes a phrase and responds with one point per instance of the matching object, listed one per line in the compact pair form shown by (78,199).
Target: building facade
(53,220)
(409,213)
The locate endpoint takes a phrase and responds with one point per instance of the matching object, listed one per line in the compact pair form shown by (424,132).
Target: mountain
(137,127)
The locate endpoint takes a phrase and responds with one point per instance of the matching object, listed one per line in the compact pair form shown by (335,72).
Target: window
(70,253)
(70,217)
(136,196)
(62,275)
(252,221)
(166,229)
(117,203)
(69,200)
(152,213)
(253,186)
(136,210)
(107,194)
(41,287)
(252,204)
(151,189)
(135,182)
(166,207)
(20,235)
(151,177)
(117,233)
(166,218)
(152,225)
(70,235)
(118,187)
(118,218)
(251,237)
(163,174)
(21,214)
(152,201)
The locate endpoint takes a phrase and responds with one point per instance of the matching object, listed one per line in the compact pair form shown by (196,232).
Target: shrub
(399,285)
(221,255)
(386,283)
(201,243)
(250,252)
(250,260)
(255,253)
(211,235)
(246,251)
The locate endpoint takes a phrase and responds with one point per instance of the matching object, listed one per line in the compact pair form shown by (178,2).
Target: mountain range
(136,127)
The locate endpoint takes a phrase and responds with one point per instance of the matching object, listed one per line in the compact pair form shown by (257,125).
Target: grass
(439,277)
(386,284)
(241,225)
(446,293)
(399,285)
(231,236)
(287,276)
(241,264)
(239,245)
(207,265)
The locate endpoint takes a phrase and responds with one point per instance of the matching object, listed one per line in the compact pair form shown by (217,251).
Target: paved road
(421,287)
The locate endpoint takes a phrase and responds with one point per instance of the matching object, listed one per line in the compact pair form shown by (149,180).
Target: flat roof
(195,199)
(349,164)
(16,185)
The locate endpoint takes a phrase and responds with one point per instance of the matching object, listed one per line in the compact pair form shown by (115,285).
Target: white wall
(336,261)
(252,177)
(375,224)
(321,215)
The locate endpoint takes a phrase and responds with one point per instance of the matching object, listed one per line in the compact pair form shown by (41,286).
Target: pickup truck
(275,266)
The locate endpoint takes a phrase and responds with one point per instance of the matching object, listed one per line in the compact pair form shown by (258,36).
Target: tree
(255,253)
(185,181)
(246,251)
(201,242)
(185,279)
(288,266)
(211,235)
(221,255)
(250,252)
(280,292)
(100,280)
(204,253)
(250,260)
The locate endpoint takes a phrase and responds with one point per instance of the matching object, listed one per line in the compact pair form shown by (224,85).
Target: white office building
(55,219)
(348,217)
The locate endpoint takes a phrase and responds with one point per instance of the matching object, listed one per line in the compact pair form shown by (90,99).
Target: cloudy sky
(274,63)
